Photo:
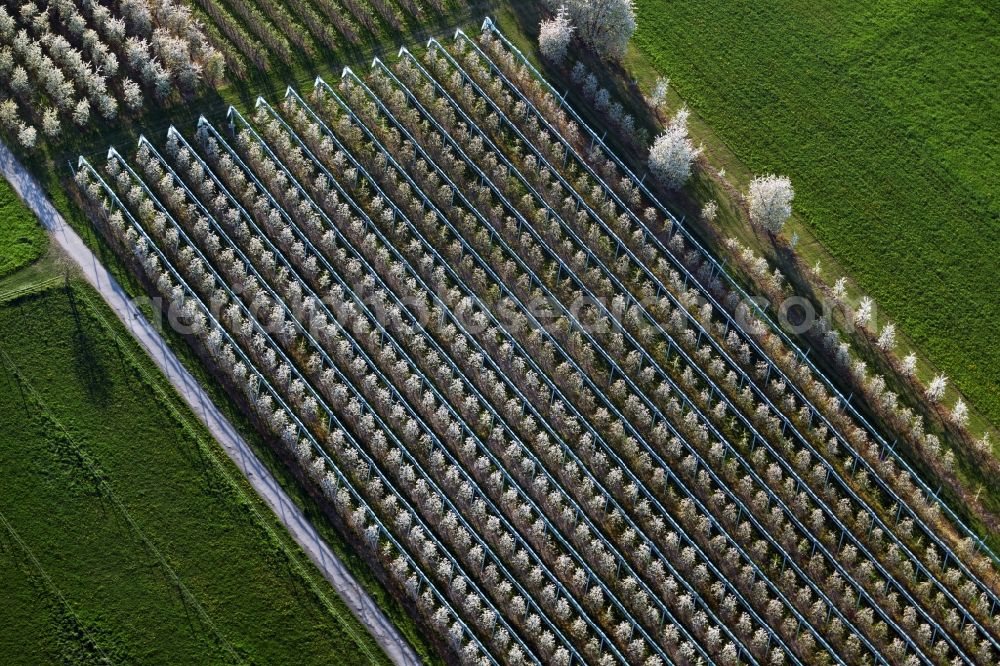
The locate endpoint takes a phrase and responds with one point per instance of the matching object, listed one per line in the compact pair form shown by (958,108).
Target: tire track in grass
(53,588)
(101,481)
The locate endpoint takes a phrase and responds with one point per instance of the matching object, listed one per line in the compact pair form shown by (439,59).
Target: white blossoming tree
(659,96)
(960,414)
(8,114)
(606,26)
(840,289)
(936,389)
(672,153)
(27,136)
(863,315)
(771,201)
(554,36)
(887,338)
(710,211)
(50,123)
(132,94)
(81,113)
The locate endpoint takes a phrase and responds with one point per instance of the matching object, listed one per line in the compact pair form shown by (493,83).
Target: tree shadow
(89,366)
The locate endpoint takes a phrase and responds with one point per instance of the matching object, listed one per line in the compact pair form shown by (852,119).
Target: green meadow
(884,115)
(126,534)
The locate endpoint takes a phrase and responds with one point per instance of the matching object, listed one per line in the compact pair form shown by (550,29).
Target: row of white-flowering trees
(606,27)
(769,201)
(611,110)
(601,464)
(672,157)
(62,62)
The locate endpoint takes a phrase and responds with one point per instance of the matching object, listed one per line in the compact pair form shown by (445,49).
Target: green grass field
(884,115)
(125,533)
(22,239)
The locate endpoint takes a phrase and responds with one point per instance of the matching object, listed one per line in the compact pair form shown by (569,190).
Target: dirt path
(264,484)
